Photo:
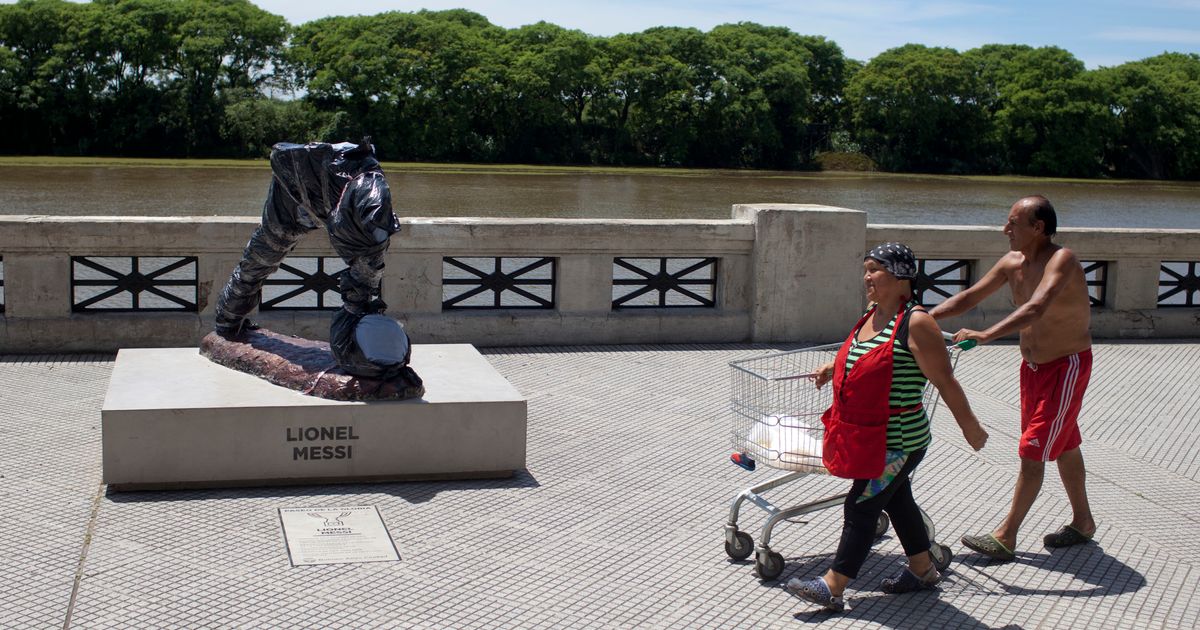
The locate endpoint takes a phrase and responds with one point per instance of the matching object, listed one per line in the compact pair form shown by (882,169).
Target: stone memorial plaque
(336,535)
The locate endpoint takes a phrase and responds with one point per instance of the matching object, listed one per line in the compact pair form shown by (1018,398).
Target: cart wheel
(741,547)
(771,568)
(941,556)
(930,530)
(881,525)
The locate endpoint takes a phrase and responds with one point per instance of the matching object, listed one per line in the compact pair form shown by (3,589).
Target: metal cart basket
(776,413)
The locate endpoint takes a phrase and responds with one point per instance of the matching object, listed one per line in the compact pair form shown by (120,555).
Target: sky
(1098,32)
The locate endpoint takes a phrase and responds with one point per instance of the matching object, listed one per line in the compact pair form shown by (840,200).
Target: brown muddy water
(428,191)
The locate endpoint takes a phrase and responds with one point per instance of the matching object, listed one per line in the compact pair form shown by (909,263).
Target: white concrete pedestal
(174,419)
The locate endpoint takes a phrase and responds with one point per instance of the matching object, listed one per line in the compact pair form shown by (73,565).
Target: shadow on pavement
(1087,563)
(410,491)
(865,603)
(914,610)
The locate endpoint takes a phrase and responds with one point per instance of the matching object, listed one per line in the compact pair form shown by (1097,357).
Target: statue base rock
(304,365)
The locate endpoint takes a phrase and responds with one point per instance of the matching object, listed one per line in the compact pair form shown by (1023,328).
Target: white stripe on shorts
(1064,403)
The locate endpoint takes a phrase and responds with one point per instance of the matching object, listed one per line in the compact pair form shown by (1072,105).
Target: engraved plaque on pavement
(336,535)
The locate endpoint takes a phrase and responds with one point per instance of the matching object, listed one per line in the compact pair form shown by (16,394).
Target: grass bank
(840,168)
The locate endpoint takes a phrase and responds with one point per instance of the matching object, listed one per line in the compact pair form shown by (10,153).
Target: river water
(428,191)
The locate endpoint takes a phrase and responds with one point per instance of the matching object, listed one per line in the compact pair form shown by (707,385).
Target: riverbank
(841,168)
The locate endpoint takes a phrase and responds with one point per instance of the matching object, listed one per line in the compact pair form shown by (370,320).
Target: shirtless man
(1053,314)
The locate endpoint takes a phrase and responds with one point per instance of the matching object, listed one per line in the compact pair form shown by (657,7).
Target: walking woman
(876,431)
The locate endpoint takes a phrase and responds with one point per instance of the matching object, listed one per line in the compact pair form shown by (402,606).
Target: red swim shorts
(1051,395)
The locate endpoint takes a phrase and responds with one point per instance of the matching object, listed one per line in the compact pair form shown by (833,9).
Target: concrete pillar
(806,271)
(1133,284)
(412,283)
(212,272)
(733,293)
(585,284)
(37,285)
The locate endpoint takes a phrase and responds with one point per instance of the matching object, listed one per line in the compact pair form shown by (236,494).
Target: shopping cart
(777,423)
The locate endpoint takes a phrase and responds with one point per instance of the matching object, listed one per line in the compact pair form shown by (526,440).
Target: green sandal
(1067,536)
(989,546)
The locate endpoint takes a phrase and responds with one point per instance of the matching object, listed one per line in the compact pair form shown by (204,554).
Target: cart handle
(965,344)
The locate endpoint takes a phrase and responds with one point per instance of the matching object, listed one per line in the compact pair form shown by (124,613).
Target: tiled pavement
(616,523)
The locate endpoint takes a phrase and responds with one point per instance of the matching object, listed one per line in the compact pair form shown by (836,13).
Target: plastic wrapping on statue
(363,220)
(314,175)
(302,171)
(266,249)
(345,337)
(341,187)
(359,286)
(310,184)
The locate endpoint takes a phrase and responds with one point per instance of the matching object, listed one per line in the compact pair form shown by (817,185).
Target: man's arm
(1056,276)
(967,299)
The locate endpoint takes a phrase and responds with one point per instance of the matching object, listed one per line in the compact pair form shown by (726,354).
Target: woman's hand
(823,375)
(974,432)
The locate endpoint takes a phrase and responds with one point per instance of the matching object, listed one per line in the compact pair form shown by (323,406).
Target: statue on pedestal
(341,187)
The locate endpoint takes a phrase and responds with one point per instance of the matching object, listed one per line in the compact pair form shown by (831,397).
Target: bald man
(1053,316)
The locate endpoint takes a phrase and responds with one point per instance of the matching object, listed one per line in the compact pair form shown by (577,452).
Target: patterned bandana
(896,258)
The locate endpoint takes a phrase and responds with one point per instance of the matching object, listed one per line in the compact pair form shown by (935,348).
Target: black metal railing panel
(304,284)
(1,284)
(939,279)
(1095,273)
(498,282)
(664,283)
(133,283)
(1178,284)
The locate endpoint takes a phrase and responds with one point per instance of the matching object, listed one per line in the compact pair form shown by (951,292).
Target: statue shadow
(416,491)
(312,355)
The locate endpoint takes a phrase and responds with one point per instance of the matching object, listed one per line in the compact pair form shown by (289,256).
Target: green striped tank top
(908,428)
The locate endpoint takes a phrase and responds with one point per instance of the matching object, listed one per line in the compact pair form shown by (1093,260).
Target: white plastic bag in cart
(786,442)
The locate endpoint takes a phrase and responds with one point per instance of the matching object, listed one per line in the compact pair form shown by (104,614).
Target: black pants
(858,531)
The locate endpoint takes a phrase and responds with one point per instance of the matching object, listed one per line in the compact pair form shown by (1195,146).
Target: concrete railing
(785,273)
(1134,258)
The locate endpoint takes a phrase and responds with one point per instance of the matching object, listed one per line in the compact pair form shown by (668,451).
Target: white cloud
(1152,35)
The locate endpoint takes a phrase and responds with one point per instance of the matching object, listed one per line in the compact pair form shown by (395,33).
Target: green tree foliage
(758,97)
(131,76)
(35,38)
(1048,115)
(423,84)
(657,81)
(1156,103)
(449,85)
(203,77)
(920,109)
(554,74)
(251,123)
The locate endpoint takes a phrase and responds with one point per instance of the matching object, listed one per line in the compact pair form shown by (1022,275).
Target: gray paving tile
(618,521)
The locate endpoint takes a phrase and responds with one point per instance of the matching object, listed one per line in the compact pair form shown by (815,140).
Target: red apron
(855,444)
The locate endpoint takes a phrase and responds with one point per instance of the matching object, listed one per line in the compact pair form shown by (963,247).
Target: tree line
(207,78)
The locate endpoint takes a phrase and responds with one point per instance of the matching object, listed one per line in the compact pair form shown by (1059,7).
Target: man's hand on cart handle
(823,375)
(966,334)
